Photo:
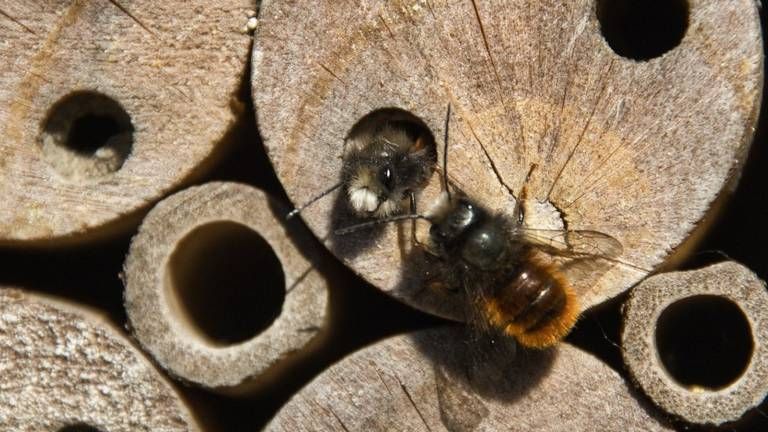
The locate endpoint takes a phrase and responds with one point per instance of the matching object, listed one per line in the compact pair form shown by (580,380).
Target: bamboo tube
(696,342)
(220,290)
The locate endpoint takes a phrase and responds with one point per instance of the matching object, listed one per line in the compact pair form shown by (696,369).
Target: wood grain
(442,380)
(635,149)
(171,70)
(64,365)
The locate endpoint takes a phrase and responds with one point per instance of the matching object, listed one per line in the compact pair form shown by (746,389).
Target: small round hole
(226,282)
(642,29)
(79,427)
(704,341)
(86,135)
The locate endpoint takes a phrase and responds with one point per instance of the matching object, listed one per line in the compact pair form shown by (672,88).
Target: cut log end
(632,142)
(696,344)
(96,101)
(66,369)
(439,380)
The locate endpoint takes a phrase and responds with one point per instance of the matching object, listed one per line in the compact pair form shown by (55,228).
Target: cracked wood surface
(175,68)
(435,381)
(65,365)
(637,150)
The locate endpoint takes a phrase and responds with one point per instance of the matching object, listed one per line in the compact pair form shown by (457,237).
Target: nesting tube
(97,100)
(219,289)
(696,342)
(66,368)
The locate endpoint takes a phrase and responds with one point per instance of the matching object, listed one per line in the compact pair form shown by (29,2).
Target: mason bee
(517,280)
(387,158)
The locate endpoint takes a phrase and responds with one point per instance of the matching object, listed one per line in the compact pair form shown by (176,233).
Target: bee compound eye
(386,177)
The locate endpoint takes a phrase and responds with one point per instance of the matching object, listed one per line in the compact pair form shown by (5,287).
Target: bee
(517,280)
(385,162)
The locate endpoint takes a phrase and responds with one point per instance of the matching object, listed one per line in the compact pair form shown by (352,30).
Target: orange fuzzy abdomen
(536,305)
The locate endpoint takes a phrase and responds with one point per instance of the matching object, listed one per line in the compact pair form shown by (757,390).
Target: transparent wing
(583,256)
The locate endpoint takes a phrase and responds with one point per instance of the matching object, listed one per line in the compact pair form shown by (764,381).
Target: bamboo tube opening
(86,135)
(642,30)
(704,341)
(80,427)
(694,341)
(221,297)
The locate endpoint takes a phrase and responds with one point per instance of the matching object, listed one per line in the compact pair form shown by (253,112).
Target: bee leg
(518,215)
(415,240)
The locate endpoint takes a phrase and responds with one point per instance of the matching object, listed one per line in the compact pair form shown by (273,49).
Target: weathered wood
(106,106)
(436,381)
(220,290)
(635,149)
(64,365)
(643,354)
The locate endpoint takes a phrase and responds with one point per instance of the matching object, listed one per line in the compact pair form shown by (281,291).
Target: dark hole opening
(91,126)
(642,29)
(91,132)
(80,427)
(704,341)
(228,282)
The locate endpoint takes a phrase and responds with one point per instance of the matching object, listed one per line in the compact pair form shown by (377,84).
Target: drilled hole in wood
(642,29)
(704,341)
(225,282)
(86,135)
(80,427)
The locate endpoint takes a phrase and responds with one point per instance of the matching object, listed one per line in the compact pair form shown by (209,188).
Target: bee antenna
(297,210)
(445,153)
(357,227)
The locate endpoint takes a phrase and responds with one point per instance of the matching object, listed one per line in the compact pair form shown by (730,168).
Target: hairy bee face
(382,175)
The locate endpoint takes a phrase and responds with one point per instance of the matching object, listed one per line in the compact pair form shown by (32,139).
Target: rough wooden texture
(63,365)
(641,354)
(157,288)
(174,68)
(637,150)
(436,381)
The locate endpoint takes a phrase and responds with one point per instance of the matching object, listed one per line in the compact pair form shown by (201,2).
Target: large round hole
(704,341)
(226,282)
(642,29)
(79,427)
(86,135)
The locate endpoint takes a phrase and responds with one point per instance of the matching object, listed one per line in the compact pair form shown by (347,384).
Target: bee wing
(583,256)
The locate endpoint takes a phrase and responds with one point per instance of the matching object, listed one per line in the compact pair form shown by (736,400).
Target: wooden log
(439,380)
(64,367)
(220,290)
(696,342)
(105,107)
(635,149)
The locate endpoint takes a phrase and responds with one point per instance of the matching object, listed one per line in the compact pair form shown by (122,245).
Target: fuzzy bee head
(383,170)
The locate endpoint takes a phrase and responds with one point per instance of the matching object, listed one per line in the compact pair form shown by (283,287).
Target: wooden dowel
(106,106)
(218,290)
(65,368)
(635,144)
(445,380)
(697,342)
